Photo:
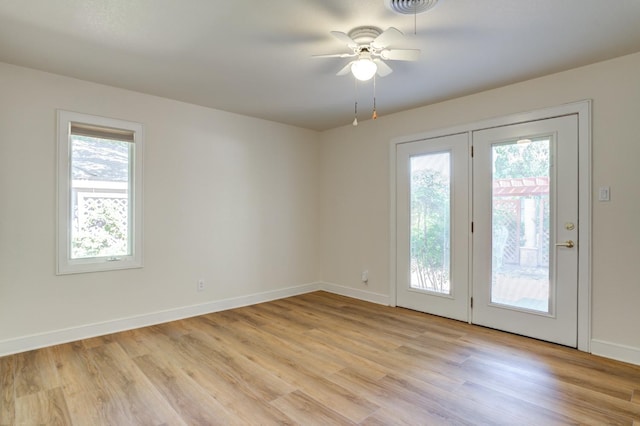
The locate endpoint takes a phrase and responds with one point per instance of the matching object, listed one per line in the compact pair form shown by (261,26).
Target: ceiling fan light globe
(363,69)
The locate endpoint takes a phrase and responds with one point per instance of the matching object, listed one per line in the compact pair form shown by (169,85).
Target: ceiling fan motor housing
(410,7)
(364,35)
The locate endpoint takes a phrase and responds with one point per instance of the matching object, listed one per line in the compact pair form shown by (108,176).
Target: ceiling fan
(370,47)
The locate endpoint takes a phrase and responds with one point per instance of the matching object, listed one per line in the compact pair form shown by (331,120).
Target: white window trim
(66,265)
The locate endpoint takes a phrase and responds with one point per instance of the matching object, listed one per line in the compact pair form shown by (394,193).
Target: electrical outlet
(365,276)
(200,286)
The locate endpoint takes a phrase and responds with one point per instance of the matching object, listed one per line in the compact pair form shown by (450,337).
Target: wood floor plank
(282,314)
(83,388)
(324,348)
(404,414)
(27,378)
(287,352)
(49,369)
(134,342)
(349,315)
(245,374)
(240,399)
(451,354)
(192,402)
(429,369)
(360,332)
(317,358)
(7,390)
(510,409)
(405,408)
(576,367)
(47,407)
(304,410)
(303,369)
(128,390)
(541,390)
(444,402)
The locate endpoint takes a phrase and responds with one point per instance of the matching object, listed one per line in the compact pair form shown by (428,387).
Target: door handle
(567,244)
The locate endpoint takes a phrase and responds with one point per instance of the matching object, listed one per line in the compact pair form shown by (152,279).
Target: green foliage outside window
(430,205)
(104,232)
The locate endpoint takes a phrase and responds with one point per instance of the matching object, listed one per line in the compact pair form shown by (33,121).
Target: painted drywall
(227,198)
(254,207)
(355,185)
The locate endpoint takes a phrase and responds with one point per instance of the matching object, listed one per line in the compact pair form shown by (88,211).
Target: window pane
(100,207)
(430,222)
(520,225)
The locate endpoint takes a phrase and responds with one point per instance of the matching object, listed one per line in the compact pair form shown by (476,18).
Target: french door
(516,270)
(433,226)
(525,211)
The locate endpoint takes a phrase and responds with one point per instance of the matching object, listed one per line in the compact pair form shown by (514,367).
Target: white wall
(229,199)
(355,187)
(260,210)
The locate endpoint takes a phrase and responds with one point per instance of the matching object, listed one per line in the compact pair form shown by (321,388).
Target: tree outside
(430,230)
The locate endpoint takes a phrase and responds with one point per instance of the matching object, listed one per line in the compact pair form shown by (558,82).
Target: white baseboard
(56,337)
(367,296)
(616,351)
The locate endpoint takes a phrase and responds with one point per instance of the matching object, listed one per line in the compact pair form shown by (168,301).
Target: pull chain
(375,113)
(355,112)
(415,17)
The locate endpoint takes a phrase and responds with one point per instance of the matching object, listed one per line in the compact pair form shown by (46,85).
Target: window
(99,193)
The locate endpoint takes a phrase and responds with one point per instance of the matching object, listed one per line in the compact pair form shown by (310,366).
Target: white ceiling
(253,57)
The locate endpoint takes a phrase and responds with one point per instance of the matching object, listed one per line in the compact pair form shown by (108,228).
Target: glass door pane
(430,222)
(520,225)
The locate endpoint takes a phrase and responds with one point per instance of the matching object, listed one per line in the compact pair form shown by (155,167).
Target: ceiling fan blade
(345,70)
(344,38)
(383,69)
(335,55)
(390,36)
(400,54)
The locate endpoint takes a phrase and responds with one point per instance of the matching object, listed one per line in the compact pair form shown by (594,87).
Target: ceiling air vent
(410,7)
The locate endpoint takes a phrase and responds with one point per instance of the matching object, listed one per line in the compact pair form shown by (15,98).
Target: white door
(432,228)
(525,215)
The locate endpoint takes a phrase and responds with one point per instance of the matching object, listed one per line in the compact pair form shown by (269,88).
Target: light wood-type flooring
(315,359)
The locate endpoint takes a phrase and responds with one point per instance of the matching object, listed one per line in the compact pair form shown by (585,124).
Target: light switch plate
(603,194)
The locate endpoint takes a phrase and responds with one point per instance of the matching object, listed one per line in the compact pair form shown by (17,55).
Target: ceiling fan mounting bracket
(364,35)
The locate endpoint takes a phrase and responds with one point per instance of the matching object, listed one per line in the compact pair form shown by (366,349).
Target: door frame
(583,110)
